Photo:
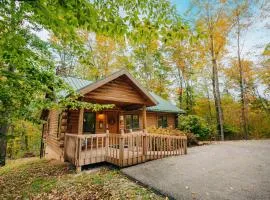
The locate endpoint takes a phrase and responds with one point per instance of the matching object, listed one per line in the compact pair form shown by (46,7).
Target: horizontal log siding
(117,90)
(53,142)
(171,120)
(152,119)
(73,117)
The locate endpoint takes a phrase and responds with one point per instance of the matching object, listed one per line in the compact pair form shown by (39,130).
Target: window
(162,121)
(132,122)
(89,122)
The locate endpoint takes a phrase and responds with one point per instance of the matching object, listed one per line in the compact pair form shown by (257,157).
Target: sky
(181,5)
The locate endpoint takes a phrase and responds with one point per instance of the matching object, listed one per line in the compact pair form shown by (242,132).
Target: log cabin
(135,109)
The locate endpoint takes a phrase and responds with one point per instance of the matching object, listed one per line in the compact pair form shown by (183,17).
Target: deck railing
(121,149)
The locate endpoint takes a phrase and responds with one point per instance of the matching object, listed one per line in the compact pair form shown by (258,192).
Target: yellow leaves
(84,35)
(153,44)
(3,78)
(54,39)
(233,72)
(223,24)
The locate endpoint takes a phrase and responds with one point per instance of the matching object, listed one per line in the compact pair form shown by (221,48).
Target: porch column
(144,117)
(80,121)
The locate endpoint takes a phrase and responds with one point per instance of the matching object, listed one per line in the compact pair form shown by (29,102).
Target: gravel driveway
(226,170)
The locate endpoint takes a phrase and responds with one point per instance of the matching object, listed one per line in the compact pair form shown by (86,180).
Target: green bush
(196,125)
(230,132)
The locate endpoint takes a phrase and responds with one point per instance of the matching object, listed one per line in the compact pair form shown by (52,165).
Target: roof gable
(119,91)
(94,86)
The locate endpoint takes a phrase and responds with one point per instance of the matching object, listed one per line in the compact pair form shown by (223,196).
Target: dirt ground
(226,170)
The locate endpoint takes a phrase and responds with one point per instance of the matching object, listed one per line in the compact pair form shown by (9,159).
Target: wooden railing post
(77,154)
(80,121)
(185,145)
(145,146)
(106,144)
(121,150)
(144,117)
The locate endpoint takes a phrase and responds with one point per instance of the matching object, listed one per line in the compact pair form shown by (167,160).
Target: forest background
(198,59)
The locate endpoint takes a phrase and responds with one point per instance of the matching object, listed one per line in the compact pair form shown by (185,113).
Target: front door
(89,122)
(112,121)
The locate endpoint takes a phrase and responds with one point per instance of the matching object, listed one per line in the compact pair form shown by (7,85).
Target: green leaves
(196,125)
(27,73)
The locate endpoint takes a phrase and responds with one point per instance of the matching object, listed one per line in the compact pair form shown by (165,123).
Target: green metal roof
(76,83)
(162,106)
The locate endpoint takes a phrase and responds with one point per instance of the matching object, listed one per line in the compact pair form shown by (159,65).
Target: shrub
(231,132)
(191,138)
(165,131)
(196,125)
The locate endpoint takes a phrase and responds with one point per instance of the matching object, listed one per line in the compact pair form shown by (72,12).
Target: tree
(265,72)
(148,58)
(214,21)
(264,77)
(248,79)
(100,57)
(27,72)
(65,55)
(241,15)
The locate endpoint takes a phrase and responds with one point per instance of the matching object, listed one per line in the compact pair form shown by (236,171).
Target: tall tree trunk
(189,97)
(244,117)
(181,88)
(216,92)
(210,118)
(3,143)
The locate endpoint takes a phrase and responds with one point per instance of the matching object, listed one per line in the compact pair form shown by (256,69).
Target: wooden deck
(121,149)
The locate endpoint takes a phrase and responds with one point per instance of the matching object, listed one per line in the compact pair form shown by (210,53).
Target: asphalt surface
(235,170)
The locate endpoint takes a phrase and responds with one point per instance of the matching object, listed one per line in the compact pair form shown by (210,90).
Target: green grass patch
(50,179)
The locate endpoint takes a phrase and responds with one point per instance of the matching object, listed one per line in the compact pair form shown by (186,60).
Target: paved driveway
(228,170)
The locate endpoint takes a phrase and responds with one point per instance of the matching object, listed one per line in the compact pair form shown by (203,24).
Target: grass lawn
(49,179)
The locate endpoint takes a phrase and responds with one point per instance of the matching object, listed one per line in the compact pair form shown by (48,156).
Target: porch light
(101,116)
